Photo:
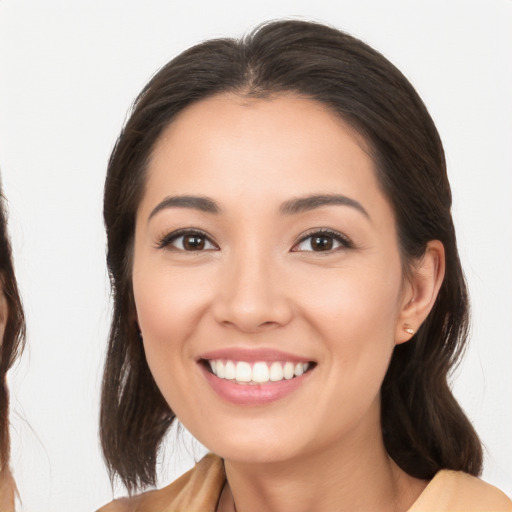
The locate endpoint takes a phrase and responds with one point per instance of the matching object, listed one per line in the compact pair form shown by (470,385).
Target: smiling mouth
(260,372)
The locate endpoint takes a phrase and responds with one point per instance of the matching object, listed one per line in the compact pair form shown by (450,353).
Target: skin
(7,485)
(258,283)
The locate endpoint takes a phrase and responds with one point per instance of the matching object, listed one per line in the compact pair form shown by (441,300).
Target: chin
(253,447)
(252,454)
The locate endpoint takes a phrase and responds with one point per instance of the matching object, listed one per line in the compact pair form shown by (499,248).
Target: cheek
(167,302)
(162,315)
(171,306)
(354,316)
(356,313)
(354,299)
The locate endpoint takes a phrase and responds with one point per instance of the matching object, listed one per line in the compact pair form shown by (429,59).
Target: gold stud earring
(408,329)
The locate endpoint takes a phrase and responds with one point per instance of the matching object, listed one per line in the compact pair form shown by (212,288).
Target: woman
(12,335)
(287,284)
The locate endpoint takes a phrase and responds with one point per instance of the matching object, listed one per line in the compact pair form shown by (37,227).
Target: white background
(69,71)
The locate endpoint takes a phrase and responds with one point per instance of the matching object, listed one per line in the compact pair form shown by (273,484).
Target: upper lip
(253,355)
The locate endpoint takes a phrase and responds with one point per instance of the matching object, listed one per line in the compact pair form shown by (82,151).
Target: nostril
(268,324)
(249,324)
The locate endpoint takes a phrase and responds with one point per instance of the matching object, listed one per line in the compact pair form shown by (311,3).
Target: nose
(252,295)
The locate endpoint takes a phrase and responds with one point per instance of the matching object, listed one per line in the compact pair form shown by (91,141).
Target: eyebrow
(304,204)
(290,207)
(203,204)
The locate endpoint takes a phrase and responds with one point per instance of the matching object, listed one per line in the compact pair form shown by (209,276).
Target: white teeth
(259,373)
(230,370)
(243,372)
(288,371)
(276,371)
(220,370)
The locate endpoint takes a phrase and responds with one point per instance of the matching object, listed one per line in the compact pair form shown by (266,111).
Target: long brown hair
(14,334)
(423,426)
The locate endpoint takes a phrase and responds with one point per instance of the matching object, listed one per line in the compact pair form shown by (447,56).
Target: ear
(420,291)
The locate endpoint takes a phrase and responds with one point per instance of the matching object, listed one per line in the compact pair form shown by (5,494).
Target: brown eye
(194,242)
(328,241)
(185,240)
(322,243)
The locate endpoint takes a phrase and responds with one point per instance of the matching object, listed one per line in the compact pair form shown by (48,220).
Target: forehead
(282,115)
(270,148)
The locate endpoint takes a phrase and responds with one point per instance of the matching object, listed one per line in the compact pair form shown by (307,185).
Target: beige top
(199,491)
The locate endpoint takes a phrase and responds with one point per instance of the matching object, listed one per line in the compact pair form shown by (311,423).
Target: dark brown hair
(423,426)
(14,334)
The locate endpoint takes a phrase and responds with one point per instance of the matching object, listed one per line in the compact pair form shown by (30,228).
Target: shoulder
(457,491)
(199,488)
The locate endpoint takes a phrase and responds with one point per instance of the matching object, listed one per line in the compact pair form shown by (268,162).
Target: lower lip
(253,394)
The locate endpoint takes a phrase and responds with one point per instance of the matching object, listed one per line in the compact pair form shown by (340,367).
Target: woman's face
(264,247)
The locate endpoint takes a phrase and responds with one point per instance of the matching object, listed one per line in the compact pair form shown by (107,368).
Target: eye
(322,241)
(187,240)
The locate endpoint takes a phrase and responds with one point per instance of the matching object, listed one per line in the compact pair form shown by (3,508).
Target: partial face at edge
(4,310)
(251,268)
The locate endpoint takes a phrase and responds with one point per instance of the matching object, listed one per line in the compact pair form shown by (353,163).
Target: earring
(408,329)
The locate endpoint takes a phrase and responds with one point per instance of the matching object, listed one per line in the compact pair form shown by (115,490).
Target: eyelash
(345,242)
(168,239)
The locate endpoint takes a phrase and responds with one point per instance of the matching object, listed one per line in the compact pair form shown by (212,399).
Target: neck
(356,474)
